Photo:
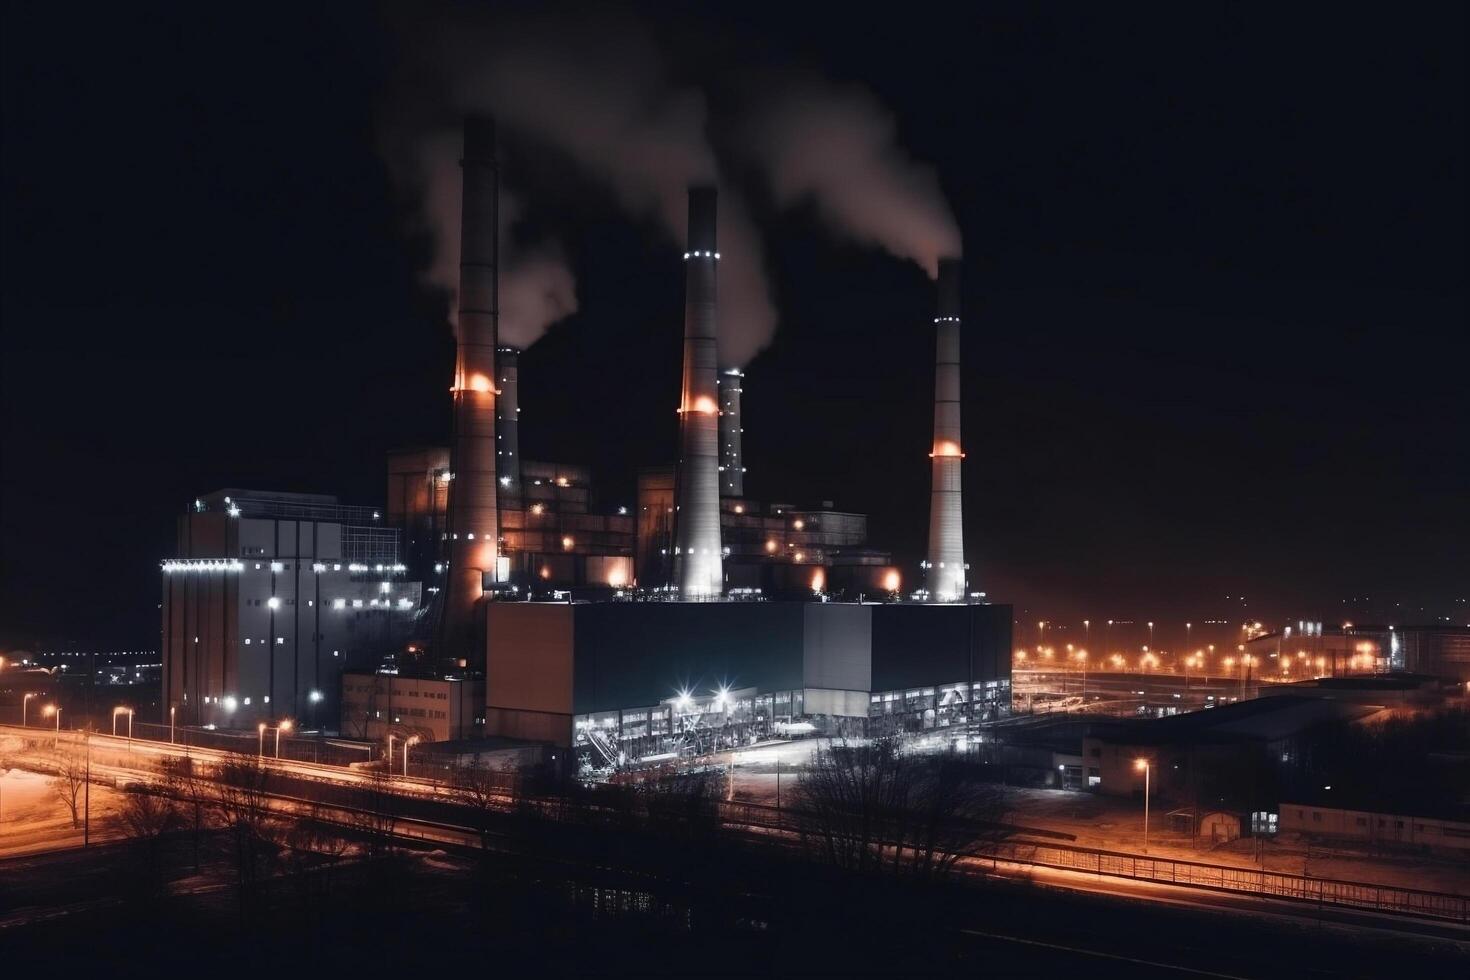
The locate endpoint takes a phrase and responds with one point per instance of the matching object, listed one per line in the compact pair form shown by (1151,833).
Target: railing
(1169,871)
(1253,881)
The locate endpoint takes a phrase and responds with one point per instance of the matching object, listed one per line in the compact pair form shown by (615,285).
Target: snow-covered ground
(33,817)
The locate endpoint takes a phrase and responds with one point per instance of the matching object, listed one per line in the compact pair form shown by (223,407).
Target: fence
(1194,874)
(1275,884)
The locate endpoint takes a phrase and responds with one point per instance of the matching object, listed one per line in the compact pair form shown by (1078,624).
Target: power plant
(696,619)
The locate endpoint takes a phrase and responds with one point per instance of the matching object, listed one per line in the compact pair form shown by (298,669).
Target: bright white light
(314,696)
(273,602)
(230,704)
(505,481)
(276,566)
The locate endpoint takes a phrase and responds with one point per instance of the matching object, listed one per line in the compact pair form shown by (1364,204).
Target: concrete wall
(837,643)
(916,645)
(528,670)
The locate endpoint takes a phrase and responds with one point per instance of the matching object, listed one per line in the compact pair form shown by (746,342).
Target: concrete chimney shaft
(946,574)
(473,519)
(698,561)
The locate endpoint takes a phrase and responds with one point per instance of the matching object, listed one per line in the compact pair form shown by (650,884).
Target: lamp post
(1146,767)
(50,710)
(283,726)
(171,710)
(260,740)
(25,703)
(390,753)
(406,743)
(122,710)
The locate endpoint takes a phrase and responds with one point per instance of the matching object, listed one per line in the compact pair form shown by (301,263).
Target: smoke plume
(595,86)
(837,146)
(597,93)
(537,287)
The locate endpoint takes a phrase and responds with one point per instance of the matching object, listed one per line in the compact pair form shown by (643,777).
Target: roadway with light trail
(421,830)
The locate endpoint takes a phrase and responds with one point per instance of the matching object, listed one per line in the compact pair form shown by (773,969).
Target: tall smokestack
(697,556)
(508,427)
(473,520)
(732,456)
(946,573)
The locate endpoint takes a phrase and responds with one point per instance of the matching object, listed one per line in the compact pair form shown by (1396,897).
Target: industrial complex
(491,595)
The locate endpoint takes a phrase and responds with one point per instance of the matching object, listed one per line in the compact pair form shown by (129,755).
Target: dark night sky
(1216,301)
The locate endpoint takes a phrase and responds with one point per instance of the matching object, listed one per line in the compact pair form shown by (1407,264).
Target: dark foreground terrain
(577,900)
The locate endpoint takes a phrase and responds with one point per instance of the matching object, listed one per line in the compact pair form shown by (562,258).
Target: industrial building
(692,618)
(1352,649)
(1230,753)
(269,597)
(631,682)
(377,703)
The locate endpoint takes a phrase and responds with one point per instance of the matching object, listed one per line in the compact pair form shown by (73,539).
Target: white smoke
(537,286)
(837,146)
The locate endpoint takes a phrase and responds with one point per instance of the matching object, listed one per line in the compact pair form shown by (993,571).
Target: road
(131,760)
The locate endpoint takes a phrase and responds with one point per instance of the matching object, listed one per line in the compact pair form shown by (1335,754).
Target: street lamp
(412,739)
(50,710)
(171,710)
(283,726)
(120,710)
(260,740)
(24,703)
(1145,766)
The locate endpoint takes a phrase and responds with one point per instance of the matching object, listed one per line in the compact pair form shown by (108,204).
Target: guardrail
(1173,871)
(1219,877)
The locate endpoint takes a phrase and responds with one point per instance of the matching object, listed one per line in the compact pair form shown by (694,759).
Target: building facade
(268,598)
(431,708)
(626,683)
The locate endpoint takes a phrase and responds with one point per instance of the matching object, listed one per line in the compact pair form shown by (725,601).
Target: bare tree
(373,812)
(184,780)
(485,793)
(148,813)
(869,808)
(240,798)
(70,779)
